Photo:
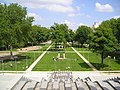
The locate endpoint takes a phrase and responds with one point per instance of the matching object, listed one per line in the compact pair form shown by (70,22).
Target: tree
(14,25)
(114,25)
(82,34)
(39,34)
(60,34)
(72,35)
(103,42)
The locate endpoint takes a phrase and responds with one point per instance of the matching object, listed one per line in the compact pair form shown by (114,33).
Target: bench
(8,57)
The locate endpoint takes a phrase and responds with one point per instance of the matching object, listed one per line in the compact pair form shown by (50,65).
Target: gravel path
(26,49)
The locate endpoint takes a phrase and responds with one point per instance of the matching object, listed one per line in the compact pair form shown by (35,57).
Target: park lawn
(44,47)
(95,59)
(23,62)
(81,49)
(73,62)
(69,49)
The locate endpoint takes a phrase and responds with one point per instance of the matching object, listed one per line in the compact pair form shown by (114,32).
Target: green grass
(95,59)
(81,49)
(20,64)
(24,60)
(73,62)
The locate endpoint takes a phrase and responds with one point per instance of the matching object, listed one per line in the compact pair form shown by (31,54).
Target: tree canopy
(39,34)
(103,41)
(14,26)
(114,25)
(82,34)
(60,33)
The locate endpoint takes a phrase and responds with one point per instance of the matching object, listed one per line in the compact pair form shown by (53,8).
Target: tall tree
(103,42)
(82,34)
(15,25)
(72,36)
(114,25)
(39,34)
(60,33)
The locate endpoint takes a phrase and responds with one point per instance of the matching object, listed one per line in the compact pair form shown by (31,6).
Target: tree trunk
(81,45)
(102,58)
(11,53)
(55,46)
(72,43)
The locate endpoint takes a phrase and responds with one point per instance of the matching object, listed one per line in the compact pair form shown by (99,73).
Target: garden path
(37,60)
(85,60)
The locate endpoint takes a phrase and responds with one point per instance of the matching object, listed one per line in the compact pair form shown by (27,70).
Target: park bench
(7,57)
(115,85)
(91,85)
(104,85)
(30,85)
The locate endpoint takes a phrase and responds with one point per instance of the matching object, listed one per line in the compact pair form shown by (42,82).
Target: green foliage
(114,25)
(15,25)
(103,41)
(39,34)
(60,33)
(82,34)
(94,59)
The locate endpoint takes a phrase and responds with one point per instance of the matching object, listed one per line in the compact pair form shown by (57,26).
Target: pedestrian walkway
(85,60)
(37,60)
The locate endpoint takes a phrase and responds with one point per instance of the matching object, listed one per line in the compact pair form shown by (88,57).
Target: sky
(74,13)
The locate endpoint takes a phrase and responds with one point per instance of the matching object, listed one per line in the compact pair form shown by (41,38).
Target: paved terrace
(60,80)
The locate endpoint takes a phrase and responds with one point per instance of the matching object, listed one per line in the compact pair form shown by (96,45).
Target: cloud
(79,14)
(104,8)
(51,5)
(78,8)
(82,24)
(75,14)
(74,25)
(37,18)
(71,25)
(59,8)
(116,17)
(88,16)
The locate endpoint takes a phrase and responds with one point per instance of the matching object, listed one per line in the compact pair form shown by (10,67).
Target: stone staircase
(65,81)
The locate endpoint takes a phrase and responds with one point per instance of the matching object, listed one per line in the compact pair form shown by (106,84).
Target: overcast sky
(71,12)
